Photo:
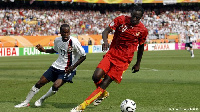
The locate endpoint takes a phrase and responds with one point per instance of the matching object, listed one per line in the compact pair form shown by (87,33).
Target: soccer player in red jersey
(129,32)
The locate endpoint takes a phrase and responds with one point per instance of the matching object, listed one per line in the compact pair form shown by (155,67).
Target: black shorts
(188,44)
(52,74)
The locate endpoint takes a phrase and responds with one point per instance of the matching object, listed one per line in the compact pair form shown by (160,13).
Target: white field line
(150,69)
(143,69)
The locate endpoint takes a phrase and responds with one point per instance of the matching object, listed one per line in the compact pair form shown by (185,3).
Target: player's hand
(135,68)
(40,48)
(68,69)
(105,47)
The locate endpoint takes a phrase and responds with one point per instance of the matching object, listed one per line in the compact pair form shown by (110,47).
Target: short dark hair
(137,8)
(64,25)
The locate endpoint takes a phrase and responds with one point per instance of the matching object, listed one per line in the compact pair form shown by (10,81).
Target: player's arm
(105,33)
(191,33)
(41,49)
(136,67)
(71,68)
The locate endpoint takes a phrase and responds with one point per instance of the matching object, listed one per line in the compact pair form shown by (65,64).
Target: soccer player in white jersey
(189,35)
(71,54)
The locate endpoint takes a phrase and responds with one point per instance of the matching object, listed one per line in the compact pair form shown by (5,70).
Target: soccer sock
(95,94)
(48,94)
(191,51)
(32,92)
(97,84)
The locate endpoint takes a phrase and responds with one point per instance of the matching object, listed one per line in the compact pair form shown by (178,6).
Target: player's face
(135,17)
(65,32)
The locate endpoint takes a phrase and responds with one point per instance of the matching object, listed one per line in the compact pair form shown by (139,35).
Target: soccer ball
(128,106)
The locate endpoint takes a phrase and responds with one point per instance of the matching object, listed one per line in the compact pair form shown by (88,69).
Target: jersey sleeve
(116,22)
(143,37)
(191,33)
(79,49)
(55,45)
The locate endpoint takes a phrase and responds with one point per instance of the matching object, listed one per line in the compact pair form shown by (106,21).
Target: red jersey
(125,40)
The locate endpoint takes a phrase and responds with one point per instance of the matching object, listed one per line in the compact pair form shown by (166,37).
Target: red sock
(95,94)
(98,83)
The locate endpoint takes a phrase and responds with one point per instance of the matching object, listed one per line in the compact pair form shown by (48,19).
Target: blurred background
(166,20)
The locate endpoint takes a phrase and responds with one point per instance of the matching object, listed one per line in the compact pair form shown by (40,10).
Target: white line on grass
(149,69)
(144,69)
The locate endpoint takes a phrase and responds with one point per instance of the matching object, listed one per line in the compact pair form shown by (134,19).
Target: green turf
(167,80)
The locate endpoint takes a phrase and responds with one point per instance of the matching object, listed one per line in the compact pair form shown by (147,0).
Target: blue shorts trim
(52,74)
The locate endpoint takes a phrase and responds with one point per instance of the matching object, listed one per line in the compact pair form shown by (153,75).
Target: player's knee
(95,78)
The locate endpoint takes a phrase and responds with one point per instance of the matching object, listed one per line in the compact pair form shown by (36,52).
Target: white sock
(48,94)
(192,53)
(32,92)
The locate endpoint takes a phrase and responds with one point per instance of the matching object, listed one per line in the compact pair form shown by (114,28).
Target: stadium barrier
(26,51)
(27,44)
(23,51)
(31,41)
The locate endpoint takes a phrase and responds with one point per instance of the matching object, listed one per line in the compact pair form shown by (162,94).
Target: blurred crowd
(47,22)
(34,21)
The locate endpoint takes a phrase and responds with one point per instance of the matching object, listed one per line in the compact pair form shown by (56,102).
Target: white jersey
(188,38)
(69,52)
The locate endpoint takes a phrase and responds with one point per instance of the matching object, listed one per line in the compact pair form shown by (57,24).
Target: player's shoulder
(74,40)
(142,26)
(58,38)
(123,17)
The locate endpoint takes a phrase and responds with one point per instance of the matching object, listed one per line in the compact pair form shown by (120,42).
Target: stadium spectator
(16,43)
(120,54)
(51,43)
(32,21)
(89,41)
(176,40)
(162,40)
(95,42)
(82,42)
(1,44)
(62,70)
(166,40)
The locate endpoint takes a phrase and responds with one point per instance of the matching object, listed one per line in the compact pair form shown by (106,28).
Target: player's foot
(101,98)
(23,104)
(192,56)
(77,109)
(39,102)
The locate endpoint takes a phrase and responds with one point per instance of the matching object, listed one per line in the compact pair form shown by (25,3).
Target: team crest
(138,33)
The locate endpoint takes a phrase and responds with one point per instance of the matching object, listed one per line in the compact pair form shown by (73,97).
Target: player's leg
(57,84)
(191,50)
(95,94)
(102,69)
(97,78)
(35,89)
(60,78)
(187,47)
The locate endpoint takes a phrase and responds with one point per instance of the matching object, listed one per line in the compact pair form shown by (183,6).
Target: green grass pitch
(167,81)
